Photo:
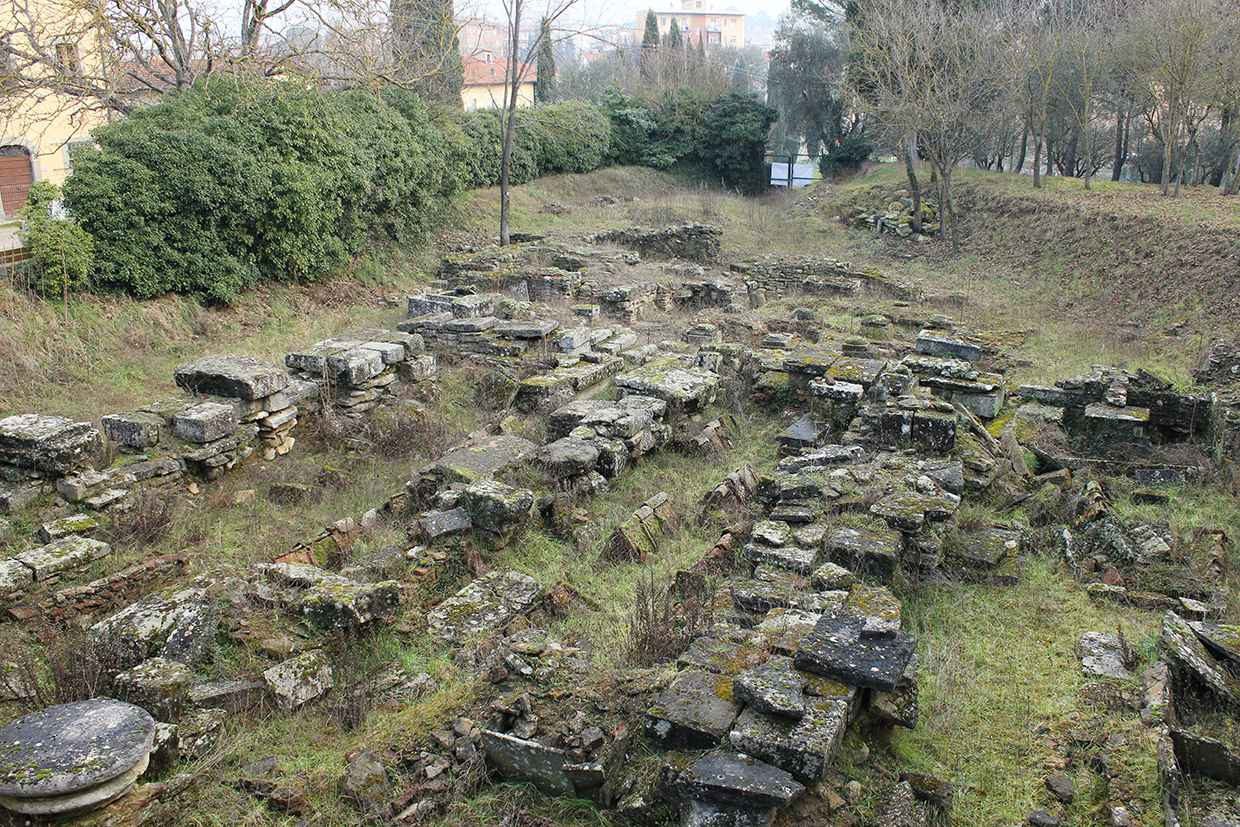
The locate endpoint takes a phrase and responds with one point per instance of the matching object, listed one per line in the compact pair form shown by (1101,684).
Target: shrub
(61,252)
(232,182)
(734,133)
(846,156)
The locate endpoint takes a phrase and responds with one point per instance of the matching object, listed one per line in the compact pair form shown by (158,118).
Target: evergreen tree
(650,47)
(650,39)
(544,91)
(428,54)
(674,40)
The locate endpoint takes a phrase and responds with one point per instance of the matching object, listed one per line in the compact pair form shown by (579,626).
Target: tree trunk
(1024,146)
(1121,141)
(1050,158)
(1037,161)
(1166,165)
(910,169)
(514,87)
(1234,186)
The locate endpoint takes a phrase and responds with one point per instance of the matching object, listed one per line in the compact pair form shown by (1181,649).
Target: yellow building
(40,131)
(485,80)
(698,22)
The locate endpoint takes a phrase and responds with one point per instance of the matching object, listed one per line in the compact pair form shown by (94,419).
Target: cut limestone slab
(61,555)
(736,779)
(47,445)
(839,650)
(799,560)
(205,422)
(873,551)
(132,431)
(73,756)
(803,746)
(1187,655)
(487,604)
(773,687)
(236,377)
(694,712)
(682,388)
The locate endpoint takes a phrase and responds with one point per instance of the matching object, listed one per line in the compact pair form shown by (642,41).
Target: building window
(67,58)
(73,149)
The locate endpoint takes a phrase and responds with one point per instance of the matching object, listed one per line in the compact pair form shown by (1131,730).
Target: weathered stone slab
(799,560)
(1102,656)
(1186,653)
(343,604)
(300,679)
(694,712)
(730,778)
(838,649)
(15,578)
(877,607)
(937,343)
(873,551)
(237,695)
(205,422)
(132,431)
(1222,639)
(180,626)
(486,605)
(65,526)
(721,657)
(62,555)
(47,445)
(803,746)
(483,459)
(520,760)
(530,330)
(158,685)
(682,388)
(773,687)
(236,377)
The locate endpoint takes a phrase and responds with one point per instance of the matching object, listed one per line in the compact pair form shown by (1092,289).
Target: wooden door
(16,176)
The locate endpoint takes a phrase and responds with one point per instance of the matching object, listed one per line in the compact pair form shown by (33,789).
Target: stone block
(236,377)
(205,422)
(694,712)
(65,554)
(132,431)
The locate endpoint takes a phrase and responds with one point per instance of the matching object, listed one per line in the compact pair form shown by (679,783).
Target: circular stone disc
(66,748)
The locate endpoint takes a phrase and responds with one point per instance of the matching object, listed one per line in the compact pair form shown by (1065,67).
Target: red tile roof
(480,72)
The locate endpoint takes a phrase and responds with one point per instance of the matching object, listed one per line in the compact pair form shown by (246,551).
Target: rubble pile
(896,217)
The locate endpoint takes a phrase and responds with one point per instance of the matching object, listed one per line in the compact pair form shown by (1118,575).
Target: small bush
(148,520)
(61,252)
(66,665)
(660,625)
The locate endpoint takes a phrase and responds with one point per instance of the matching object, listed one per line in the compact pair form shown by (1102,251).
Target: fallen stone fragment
(179,626)
(299,680)
(62,555)
(1102,656)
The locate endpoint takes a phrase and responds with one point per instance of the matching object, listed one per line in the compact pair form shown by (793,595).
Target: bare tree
(1177,40)
(517,71)
(927,68)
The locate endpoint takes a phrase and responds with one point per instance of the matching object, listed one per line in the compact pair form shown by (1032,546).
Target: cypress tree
(544,91)
(674,40)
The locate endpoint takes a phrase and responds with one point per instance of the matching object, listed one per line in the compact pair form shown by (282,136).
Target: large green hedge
(235,182)
(232,183)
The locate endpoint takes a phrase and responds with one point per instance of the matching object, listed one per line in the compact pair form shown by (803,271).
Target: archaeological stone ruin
(793,652)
